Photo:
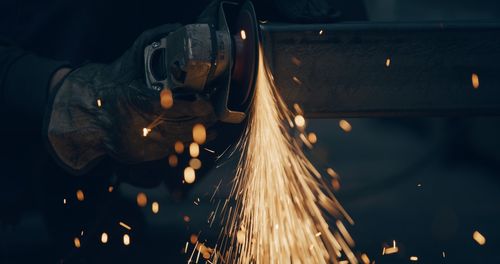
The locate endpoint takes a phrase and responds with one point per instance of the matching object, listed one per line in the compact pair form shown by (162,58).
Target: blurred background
(427,183)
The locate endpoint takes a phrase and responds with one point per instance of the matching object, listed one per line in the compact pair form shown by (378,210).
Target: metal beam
(337,70)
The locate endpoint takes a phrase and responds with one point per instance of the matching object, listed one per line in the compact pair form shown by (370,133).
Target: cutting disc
(246,44)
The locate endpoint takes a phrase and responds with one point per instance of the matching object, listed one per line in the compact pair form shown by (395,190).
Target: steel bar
(336,70)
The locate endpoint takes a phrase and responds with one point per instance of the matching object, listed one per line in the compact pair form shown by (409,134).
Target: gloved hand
(101,110)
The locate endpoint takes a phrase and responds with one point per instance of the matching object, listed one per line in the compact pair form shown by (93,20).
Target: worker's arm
(24,82)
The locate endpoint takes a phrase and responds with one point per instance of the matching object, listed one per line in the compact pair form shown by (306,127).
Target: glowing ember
(194,150)
(296,61)
(346,126)
(331,172)
(155,207)
(125,225)
(280,198)
(145,131)
(110,188)
(297,80)
(193,238)
(80,196)
(76,242)
(300,121)
(179,147)
(64,201)
(243,34)
(240,236)
(166,98)
(189,175)
(388,62)
(475,81)
(390,250)
(199,134)
(321,32)
(104,238)
(414,258)
(479,238)
(312,138)
(126,239)
(99,103)
(173,160)
(195,163)
(365,258)
(141,199)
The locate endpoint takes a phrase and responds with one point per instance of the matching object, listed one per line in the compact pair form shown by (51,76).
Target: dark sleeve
(24,80)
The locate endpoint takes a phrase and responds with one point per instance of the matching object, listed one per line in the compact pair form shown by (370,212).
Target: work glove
(104,110)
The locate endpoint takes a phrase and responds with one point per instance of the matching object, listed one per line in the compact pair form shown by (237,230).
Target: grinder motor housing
(218,61)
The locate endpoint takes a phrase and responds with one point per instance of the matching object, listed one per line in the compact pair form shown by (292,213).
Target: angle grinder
(218,61)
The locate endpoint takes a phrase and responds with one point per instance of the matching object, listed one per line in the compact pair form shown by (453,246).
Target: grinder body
(200,59)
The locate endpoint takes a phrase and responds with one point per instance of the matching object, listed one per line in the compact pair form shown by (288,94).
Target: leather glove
(101,110)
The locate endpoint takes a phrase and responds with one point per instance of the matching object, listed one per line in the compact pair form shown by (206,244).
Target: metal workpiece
(386,69)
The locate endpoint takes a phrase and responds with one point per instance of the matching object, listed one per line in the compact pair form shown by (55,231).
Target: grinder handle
(149,51)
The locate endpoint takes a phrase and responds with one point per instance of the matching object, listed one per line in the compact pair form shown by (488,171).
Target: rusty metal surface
(342,70)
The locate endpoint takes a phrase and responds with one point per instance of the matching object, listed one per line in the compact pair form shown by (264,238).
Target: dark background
(381,162)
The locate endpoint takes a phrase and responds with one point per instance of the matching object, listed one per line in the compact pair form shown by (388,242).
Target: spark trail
(283,205)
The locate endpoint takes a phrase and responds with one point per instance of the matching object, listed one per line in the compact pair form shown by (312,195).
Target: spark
(365,258)
(193,238)
(414,258)
(179,147)
(332,173)
(80,196)
(281,200)
(296,61)
(346,126)
(99,103)
(166,98)
(297,80)
(110,188)
(145,131)
(479,238)
(243,34)
(76,242)
(189,175)
(298,109)
(475,81)
(126,239)
(209,150)
(444,254)
(312,138)
(388,62)
(321,32)
(300,121)
(390,250)
(186,219)
(141,199)
(199,134)
(125,225)
(104,238)
(64,201)
(186,247)
(173,160)
(155,207)
(195,163)
(194,150)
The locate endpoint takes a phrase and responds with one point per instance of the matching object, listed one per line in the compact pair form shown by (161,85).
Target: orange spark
(141,199)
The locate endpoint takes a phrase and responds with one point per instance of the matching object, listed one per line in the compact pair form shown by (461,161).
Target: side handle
(150,57)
